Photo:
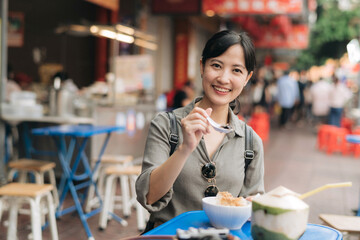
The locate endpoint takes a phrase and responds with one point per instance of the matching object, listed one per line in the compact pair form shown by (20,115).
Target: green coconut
(279,215)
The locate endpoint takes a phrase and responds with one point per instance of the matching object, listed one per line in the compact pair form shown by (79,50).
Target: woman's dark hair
(220,42)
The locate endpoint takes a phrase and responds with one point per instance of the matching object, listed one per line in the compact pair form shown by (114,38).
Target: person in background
(320,106)
(205,161)
(260,93)
(339,95)
(300,107)
(308,116)
(272,90)
(25,81)
(184,95)
(288,96)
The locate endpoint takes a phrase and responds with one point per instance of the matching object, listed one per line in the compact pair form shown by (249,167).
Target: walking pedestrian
(288,95)
(339,95)
(320,97)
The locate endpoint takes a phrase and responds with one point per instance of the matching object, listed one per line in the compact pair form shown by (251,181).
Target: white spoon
(220,128)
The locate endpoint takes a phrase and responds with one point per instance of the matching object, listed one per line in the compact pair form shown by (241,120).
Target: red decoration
(181,56)
(178,6)
(280,33)
(255,6)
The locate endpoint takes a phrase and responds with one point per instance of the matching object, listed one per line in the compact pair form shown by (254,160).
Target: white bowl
(231,217)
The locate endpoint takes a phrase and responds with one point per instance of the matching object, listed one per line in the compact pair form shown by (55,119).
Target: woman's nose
(224,77)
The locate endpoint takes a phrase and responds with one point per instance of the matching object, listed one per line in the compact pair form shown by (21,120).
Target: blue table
(198,219)
(70,160)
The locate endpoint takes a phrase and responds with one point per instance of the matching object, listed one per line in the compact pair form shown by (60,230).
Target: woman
(169,186)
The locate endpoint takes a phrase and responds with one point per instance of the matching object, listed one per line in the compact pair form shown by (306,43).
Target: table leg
(78,205)
(70,177)
(63,188)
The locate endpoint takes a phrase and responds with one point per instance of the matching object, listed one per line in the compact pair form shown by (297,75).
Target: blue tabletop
(198,219)
(76,130)
(353,138)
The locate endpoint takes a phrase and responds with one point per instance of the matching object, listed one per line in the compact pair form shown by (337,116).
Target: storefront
(104,77)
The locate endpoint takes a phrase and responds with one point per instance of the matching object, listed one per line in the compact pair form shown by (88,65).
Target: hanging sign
(15,29)
(278,33)
(296,38)
(109,4)
(231,7)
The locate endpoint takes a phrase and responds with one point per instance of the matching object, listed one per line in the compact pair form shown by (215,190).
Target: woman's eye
(237,70)
(215,65)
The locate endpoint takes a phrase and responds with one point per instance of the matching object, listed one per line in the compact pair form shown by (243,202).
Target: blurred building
(42,33)
(129,52)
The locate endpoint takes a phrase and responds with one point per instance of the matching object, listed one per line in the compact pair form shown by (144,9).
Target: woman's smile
(221,90)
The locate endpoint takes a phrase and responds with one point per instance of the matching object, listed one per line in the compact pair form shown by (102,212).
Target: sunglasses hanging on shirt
(208,171)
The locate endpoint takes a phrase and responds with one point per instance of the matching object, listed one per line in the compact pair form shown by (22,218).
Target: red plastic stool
(260,122)
(347,123)
(337,141)
(323,136)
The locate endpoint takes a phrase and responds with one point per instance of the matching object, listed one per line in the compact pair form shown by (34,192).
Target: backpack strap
(249,152)
(174,135)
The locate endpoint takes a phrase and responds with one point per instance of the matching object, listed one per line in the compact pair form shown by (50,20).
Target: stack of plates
(22,104)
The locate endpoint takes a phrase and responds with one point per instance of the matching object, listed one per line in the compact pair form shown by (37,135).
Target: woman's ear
(201,68)
(248,78)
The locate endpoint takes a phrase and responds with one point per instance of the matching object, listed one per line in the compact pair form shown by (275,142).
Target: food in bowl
(278,214)
(227,199)
(226,216)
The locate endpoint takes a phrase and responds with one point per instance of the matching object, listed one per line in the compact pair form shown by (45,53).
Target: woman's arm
(162,178)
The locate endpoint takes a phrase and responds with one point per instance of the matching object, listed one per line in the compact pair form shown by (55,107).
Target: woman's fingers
(205,113)
(208,111)
(195,125)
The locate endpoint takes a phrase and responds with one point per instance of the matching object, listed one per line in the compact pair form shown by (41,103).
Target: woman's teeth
(221,89)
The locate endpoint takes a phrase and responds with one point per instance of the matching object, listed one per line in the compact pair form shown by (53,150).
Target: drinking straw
(326,186)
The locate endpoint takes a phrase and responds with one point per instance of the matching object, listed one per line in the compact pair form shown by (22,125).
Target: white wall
(162,28)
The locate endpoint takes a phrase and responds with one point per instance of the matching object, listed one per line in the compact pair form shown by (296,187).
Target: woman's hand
(194,126)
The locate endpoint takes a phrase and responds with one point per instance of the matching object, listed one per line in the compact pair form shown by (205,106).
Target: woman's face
(225,76)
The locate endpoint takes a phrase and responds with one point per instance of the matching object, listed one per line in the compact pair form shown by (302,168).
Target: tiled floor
(291,160)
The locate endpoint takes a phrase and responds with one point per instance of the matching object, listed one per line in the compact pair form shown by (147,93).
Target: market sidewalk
(291,160)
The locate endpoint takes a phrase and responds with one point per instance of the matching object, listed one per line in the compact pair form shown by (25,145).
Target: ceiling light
(94,29)
(145,44)
(124,38)
(125,29)
(107,33)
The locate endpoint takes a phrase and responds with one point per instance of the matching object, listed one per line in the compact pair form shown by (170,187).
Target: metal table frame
(70,157)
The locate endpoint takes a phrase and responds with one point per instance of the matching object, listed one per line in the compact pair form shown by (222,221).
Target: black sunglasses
(208,171)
